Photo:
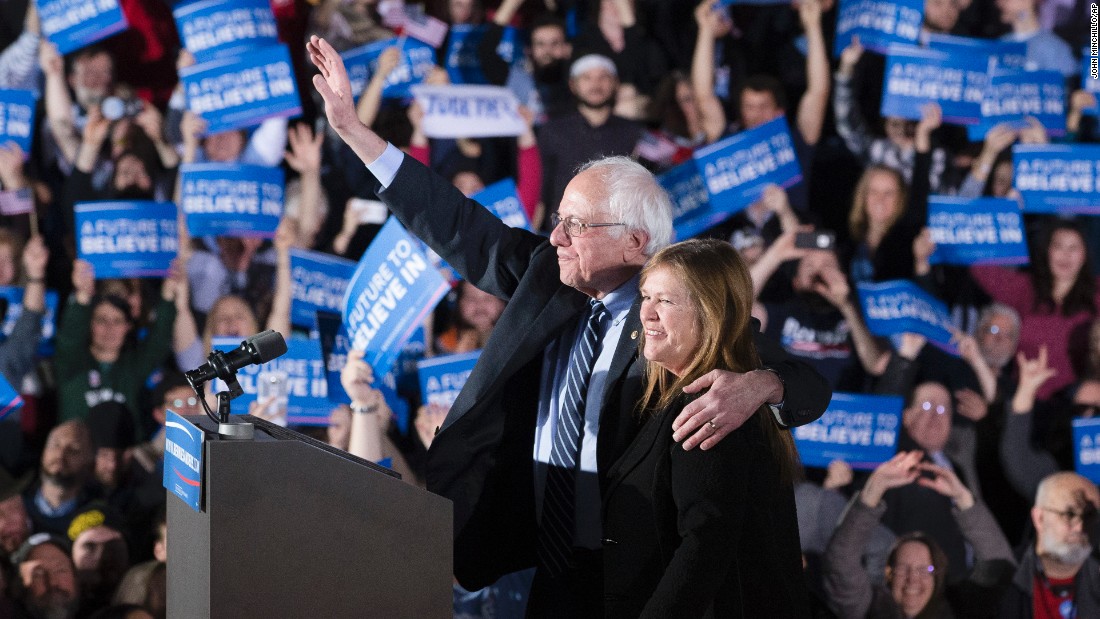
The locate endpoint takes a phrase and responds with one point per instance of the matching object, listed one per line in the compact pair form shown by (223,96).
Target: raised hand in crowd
(837,475)
(11,167)
(713,22)
(775,200)
(428,419)
(1034,132)
(780,251)
(192,128)
(35,258)
(849,58)
(904,468)
(96,129)
(911,345)
(1079,101)
(945,482)
(304,157)
(151,122)
(1033,373)
(931,117)
(971,404)
(370,102)
(83,281)
(971,353)
(369,411)
(923,248)
(175,287)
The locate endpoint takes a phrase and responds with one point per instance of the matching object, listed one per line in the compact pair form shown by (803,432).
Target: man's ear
(635,244)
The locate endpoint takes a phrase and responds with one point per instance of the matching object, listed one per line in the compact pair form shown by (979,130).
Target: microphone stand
(239,430)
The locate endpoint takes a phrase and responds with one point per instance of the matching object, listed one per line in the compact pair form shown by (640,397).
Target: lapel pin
(633,335)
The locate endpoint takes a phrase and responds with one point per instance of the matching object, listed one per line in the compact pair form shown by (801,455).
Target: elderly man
(1058,575)
(45,586)
(65,475)
(550,403)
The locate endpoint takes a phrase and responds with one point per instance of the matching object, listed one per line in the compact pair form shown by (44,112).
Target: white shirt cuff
(385,167)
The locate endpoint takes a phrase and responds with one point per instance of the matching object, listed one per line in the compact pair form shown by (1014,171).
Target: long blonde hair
(858,223)
(720,290)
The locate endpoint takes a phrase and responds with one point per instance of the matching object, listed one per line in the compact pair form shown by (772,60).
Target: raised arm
(834,287)
(850,125)
(812,106)
(1024,464)
(59,103)
(712,115)
(370,102)
(304,157)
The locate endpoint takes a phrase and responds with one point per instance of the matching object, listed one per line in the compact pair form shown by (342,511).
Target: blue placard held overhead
(976,231)
(1013,95)
(1002,54)
(243,90)
(1086,447)
(442,378)
(691,212)
(14,298)
(877,23)
(231,199)
(10,400)
(461,59)
(318,283)
(900,306)
(736,170)
(393,289)
(916,76)
(183,462)
(859,429)
(501,198)
(73,24)
(213,29)
(127,239)
(17,118)
(1058,178)
(417,61)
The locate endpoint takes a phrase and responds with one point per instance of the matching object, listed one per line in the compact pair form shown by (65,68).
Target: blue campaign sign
(1013,95)
(127,239)
(900,306)
(73,24)
(461,59)
(231,199)
(859,429)
(318,284)
(183,461)
(1086,447)
(878,23)
(213,29)
(501,198)
(306,383)
(417,61)
(915,76)
(441,378)
(17,118)
(1003,54)
(976,231)
(1058,178)
(691,212)
(10,400)
(737,169)
(393,289)
(243,90)
(14,298)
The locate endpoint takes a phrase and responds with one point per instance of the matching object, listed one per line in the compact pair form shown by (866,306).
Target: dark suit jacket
(482,458)
(700,533)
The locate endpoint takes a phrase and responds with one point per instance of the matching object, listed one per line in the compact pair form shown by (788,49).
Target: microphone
(259,348)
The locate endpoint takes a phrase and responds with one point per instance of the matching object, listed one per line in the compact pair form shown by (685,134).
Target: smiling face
(883,198)
(911,580)
(670,320)
(1066,254)
(928,418)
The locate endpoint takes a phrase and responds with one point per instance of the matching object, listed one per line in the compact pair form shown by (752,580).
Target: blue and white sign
(14,298)
(691,212)
(306,383)
(417,61)
(976,231)
(916,76)
(461,59)
(878,23)
(213,29)
(1058,178)
(393,289)
(457,111)
(1012,95)
(441,378)
(1001,54)
(1086,447)
(737,169)
(17,118)
(318,283)
(900,306)
(242,90)
(859,429)
(501,198)
(10,400)
(183,462)
(73,24)
(127,239)
(231,199)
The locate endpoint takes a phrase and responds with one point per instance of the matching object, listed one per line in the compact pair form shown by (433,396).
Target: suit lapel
(637,452)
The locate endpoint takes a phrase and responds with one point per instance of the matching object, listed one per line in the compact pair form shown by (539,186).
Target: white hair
(635,198)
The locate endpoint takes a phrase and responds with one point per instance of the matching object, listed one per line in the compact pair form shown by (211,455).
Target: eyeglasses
(575,226)
(913,570)
(929,407)
(1072,516)
(177,403)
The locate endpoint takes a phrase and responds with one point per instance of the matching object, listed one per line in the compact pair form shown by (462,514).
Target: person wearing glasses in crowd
(529,440)
(916,583)
(1059,575)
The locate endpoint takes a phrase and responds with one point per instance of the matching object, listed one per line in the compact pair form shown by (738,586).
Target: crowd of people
(978,514)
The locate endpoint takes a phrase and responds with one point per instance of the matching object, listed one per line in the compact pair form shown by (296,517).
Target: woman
(476,315)
(692,532)
(1056,302)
